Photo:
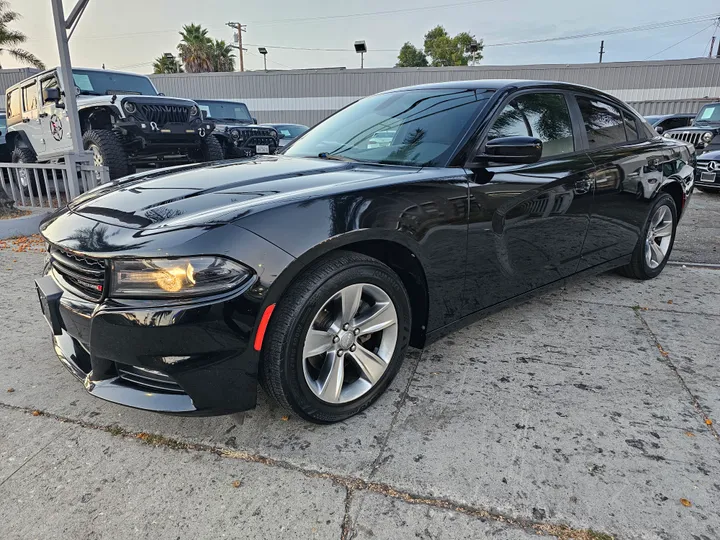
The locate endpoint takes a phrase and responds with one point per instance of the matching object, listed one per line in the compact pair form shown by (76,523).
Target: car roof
(221,100)
(282,124)
(41,74)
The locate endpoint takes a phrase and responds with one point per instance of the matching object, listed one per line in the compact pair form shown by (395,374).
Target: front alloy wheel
(350,343)
(337,337)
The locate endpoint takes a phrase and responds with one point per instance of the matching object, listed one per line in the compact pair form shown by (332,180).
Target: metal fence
(49,185)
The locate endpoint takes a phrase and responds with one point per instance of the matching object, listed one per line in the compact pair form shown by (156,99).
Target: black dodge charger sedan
(402,217)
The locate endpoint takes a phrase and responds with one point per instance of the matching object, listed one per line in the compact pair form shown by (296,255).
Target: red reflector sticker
(263,326)
(99,287)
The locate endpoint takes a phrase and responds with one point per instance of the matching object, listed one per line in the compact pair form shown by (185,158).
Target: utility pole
(712,47)
(76,154)
(602,49)
(240,29)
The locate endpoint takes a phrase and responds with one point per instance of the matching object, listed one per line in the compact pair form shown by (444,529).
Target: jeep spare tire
(107,150)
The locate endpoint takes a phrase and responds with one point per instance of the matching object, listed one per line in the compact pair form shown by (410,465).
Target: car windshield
(225,110)
(709,113)
(408,127)
(289,131)
(101,83)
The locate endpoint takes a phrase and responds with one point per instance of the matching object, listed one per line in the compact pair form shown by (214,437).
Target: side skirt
(481,314)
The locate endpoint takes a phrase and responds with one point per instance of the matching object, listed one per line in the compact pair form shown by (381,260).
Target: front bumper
(182,358)
(707,182)
(170,134)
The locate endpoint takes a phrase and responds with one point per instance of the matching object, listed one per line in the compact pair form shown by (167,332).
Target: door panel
(30,117)
(527,227)
(54,123)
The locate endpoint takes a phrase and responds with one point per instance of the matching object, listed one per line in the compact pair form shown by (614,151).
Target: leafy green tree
(10,39)
(223,57)
(445,50)
(166,64)
(196,49)
(411,56)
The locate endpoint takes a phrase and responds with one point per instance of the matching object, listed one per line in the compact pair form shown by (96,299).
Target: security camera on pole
(77,153)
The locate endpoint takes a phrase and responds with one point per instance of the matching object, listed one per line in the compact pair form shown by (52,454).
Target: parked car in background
(287,132)
(125,122)
(236,130)
(707,172)
(704,133)
(4,151)
(314,270)
(666,122)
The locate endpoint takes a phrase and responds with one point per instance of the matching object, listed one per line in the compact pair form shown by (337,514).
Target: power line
(681,41)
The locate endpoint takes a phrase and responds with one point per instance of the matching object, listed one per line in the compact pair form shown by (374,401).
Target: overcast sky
(129,34)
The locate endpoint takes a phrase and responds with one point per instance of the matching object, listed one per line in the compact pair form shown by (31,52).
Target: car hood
(225,191)
(710,156)
(86,101)
(701,128)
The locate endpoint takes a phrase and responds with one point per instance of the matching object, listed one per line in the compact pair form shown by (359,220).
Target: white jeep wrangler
(125,122)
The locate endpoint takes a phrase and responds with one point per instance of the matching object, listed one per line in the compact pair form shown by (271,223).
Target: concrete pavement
(584,413)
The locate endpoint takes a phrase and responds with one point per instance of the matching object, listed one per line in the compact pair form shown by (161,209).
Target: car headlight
(707,137)
(235,134)
(129,107)
(191,276)
(194,111)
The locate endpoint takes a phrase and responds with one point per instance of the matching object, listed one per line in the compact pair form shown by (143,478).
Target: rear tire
(26,177)
(375,340)
(210,149)
(107,151)
(656,241)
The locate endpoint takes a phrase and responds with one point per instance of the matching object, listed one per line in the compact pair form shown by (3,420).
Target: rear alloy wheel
(107,151)
(26,177)
(655,245)
(337,338)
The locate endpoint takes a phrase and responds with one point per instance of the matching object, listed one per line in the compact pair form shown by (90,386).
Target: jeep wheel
(107,150)
(210,149)
(25,177)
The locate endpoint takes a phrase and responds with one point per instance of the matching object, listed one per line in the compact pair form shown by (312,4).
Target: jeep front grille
(692,137)
(165,114)
(85,276)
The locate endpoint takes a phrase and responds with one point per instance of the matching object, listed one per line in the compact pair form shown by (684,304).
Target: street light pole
(76,153)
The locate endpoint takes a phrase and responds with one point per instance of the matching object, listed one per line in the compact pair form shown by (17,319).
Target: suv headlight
(707,137)
(194,110)
(184,277)
(129,107)
(235,134)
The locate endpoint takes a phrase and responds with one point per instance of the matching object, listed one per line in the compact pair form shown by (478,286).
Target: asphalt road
(587,408)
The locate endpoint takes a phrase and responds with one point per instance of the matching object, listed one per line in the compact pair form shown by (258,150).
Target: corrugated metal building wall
(308,96)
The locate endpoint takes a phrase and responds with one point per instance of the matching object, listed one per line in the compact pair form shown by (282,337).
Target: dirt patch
(33,244)
(13,213)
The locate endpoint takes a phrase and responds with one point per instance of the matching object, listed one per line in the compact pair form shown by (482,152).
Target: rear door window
(631,131)
(13,103)
(29,98)
(603,122)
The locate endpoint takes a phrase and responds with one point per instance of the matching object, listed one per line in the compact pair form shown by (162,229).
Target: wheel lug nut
(352,349)
(341,352)
(356,331)
(346,326)
(336,339)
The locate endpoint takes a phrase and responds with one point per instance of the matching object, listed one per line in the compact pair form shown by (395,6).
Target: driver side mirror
(51,95)
(510,150)
(254,120)
(660,130)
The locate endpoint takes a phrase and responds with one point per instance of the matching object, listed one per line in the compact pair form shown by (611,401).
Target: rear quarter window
(14,111)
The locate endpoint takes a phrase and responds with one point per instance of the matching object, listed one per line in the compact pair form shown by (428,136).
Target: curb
(22,226)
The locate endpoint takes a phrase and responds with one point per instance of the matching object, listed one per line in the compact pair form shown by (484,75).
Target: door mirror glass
(51,94)
(511,150)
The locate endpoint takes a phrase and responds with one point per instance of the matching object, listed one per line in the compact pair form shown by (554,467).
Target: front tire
(107,150)
(210,149)
(656,242)
(337,338)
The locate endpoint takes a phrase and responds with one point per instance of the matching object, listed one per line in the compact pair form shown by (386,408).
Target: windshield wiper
(333,157)
(90,93)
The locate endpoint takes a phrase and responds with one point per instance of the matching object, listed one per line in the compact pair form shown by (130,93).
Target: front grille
(692,137)
(703,166)
(165,114)
(84,275)
(148,379)
(255,136)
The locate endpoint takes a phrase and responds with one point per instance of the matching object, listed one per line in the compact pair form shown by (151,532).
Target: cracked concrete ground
(584,413)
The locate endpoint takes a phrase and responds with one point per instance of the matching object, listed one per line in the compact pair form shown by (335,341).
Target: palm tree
(223,58)
(10,39)
(167,64)
(195,49)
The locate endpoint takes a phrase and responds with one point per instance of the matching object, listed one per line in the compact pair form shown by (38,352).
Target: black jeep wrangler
(236,130)
(704,133)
